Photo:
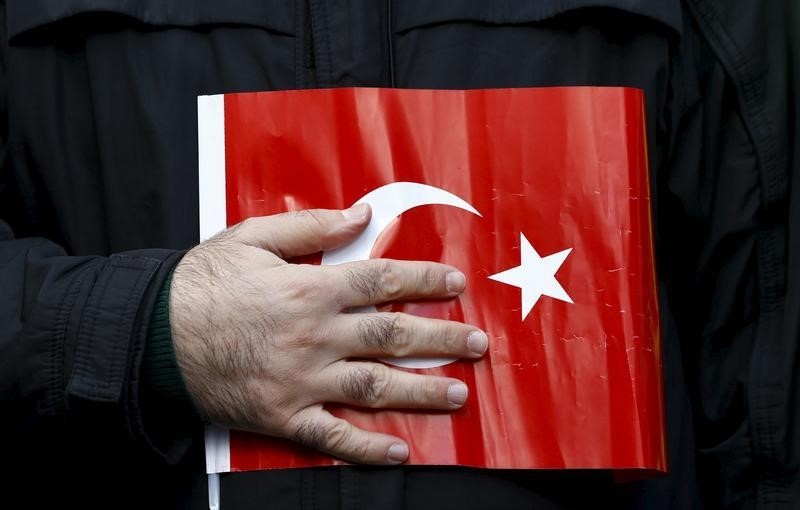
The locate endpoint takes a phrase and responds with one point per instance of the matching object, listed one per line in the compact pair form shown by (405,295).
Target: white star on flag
(536,276)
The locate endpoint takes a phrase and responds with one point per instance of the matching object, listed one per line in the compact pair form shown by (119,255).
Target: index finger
(376,281)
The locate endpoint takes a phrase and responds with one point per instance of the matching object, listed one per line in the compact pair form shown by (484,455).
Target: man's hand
(263,344)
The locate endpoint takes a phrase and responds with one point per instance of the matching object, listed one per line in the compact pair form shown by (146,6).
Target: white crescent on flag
(388,202)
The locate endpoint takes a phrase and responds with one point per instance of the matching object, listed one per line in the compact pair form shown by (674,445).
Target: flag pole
(213,491)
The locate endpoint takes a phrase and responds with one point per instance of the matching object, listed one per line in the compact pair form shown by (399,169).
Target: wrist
(163,386)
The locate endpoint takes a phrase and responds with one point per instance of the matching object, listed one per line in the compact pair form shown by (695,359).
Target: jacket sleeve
(72,339)
(73,334)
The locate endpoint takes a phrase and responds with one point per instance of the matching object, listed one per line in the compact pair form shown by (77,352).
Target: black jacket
(98,201)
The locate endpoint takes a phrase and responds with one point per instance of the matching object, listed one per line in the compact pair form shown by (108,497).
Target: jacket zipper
(310,58)
(389,45)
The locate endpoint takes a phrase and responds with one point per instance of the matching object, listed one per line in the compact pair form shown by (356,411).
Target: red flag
(540,196)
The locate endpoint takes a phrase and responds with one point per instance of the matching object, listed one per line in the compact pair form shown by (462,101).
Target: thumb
(304,232)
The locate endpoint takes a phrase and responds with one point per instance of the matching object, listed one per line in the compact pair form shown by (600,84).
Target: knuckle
(306,338)
(305,285)
(360,451)
(435,392)
(365,385)
(451,336)
(418,395)
(339,438)
(425,392)
(391,281)
(310,289)
(431,277)
(364,279)
(381,332)
(310,434)
(314,219)
(301,291)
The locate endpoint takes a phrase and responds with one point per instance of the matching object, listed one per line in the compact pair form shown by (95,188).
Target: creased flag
(540,196)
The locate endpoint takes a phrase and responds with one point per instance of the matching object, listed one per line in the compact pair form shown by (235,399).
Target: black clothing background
(99,157)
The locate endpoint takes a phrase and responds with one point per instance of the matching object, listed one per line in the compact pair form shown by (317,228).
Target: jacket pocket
(509,43)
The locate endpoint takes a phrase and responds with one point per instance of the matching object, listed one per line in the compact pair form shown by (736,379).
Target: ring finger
(369,384)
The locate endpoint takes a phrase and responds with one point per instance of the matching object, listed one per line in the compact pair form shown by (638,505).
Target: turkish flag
(540,196)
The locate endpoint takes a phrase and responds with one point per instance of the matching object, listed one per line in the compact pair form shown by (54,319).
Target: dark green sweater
(165,397)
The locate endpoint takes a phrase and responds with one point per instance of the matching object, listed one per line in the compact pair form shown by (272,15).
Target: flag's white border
(211,189)
(218,450)
(211,159)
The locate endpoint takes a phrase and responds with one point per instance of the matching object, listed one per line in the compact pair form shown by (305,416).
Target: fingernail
(455,281)
(398,452)
(357,212)
(457,394)
(477,342)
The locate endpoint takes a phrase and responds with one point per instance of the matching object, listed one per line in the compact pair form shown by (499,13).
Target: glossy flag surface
(540,196)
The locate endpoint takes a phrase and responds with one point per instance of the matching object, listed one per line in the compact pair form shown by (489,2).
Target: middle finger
(402,335)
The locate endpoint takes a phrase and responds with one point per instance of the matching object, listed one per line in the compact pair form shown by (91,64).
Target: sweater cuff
(165,397)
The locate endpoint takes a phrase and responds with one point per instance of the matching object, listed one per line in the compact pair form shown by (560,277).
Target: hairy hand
(263,344)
